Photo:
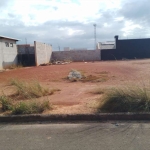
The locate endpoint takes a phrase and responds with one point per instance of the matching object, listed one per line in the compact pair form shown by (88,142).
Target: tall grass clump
(30,90)
(6,103)
(30,108)
(129,99)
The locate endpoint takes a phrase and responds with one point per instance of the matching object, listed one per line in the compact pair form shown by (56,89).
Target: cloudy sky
(70,22)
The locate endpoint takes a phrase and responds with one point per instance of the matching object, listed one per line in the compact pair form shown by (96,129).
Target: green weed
(6,103)
(30,108)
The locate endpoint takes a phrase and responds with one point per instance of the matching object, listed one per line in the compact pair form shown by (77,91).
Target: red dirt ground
(75,97)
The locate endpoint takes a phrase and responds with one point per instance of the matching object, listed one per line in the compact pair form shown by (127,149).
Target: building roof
(106,45)
(107,42)
(9,38)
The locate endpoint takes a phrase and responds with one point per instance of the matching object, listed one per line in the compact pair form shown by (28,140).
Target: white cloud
(119,19)
(71,32)
(58,20)
(34,12)
(130,27)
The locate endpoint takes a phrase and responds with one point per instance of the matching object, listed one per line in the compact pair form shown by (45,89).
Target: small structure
(106,45)
(66,48)
(8,52)
(73,49)
(37,54)
(78,49)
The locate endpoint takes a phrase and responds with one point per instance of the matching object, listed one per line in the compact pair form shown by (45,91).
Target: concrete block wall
(8,55)
(76,55)
(43,53)
(1,55)
(26,49)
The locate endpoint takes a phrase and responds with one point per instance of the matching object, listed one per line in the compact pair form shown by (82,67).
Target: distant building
(8,52)
(78,49)
(73,49)
(66,48)
(106,45)
(35,54)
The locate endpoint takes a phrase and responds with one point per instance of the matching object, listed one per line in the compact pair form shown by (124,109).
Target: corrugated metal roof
(9,38)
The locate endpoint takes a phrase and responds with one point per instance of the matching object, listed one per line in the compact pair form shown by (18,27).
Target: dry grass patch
(30,90)
(15,66)
(52,91)
(128,99)
(101,77)
(93,78)
(17,108)
(15,104)
(98,91)
(30,107)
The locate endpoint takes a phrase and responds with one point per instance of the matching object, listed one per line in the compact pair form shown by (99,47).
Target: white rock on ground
(74,75)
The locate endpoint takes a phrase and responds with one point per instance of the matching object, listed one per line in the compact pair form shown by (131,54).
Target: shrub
(6,103)
(30,108)
(21,108)
(30,90)
(130,99)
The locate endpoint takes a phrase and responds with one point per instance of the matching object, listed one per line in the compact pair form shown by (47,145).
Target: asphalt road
(81,136)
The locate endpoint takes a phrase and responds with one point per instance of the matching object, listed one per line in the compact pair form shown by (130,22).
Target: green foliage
(6,103)
(30,108)
(129,99)
(29,91)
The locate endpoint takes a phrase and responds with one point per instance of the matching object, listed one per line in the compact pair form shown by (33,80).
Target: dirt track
(74,97)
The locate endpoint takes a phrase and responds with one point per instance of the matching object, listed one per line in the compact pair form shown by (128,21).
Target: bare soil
(75,97)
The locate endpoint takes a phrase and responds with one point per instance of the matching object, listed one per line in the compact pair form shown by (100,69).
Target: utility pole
(95,36)
(58,47)
(27,52)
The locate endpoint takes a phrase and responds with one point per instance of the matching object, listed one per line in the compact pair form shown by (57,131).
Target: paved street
(82,136)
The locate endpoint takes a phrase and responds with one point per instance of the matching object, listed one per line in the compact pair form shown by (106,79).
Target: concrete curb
(76,118)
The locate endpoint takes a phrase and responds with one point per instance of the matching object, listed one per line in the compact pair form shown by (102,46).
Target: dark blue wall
(128,49)
(26,59)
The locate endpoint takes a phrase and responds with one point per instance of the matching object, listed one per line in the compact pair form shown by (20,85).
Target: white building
(106,45)
(66,48)
(8,52)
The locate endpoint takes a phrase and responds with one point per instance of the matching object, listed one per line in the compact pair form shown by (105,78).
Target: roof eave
(5,37)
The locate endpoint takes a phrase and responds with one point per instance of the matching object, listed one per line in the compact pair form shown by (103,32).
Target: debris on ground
(60,62)
(45,64)
(74,75)
(55,63)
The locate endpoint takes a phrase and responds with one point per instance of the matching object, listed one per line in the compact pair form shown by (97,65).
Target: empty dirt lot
(75,97)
